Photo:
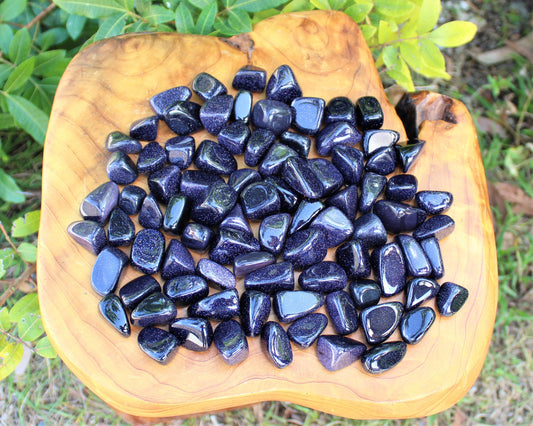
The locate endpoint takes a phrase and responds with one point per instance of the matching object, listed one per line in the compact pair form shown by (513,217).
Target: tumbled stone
(183,117)
(307,114)
(258,144)
(145,129)
(165,183)
(177,260)
(118,141)
(364,293)
(250,77)
(305,213)
(346,200)
(121,169)
(299,176)
(241,178)
(306,330)
(242,106)
(207,87)
(408,154)
(138,289)
(89,234)
(398,217)
(214,158)
(100,202)
(176,214)
(259,199)
(180,151)
(215,113)
(401,187)
(272,115)
(197,236)
(195,334)
(229,243)
(150,215)
(275,158)
(158,344)
(323,277)
(107,270)
(383,357)
(255,309)
(336,226)
(369,229)
(186,289)
(416,323)
(339,109)
(349,161)
(352,256)
(305,248)
(216,274)
(372,186)
(234,136)
(152,158)
(439,226)
(382,161)
(155,309)
(195,184)
(342,313)
(235,220)
(218,306)
(113,311)
(282,85)
(249,262)
(121,229)
(380,321)
(419,290)
(369,113)
(337,352)
(376,139)
(434,202)
(276,344)
(431,248)
(328,175)
(288,199)
(389,268)
(271,279)
(131,198)
(416,262)
(300,143)
(164,100)
(291,305)
(334,134)
(147,250)
(219,201)
(273,231)
(231,343)
(450,298)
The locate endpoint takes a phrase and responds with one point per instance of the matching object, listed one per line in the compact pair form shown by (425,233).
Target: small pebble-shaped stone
(337,352)
(434,202)
(138,289)
(399,217)
(306,330)
(215,113)
(299,176)
(328,174)
(118,141)
(107,270)
(88,234)
(147,250)
(282,85)
(418,290)
(183,118)
(389,268)
(416,323)
(131,198)
(259,199)
(372,186)
(100,202)
(229,243)
(275,158)
(276,344)
(323,277)
(241,178)
(195,184)
(218,306)
(380,321)
(177,260)
(214,158)
(369,113)
(121,169)
(180,151)
(235,220)
(158,344)
(113,311)
(431,248)
(450,298)
(155,309)
(195,334)
(242,106)
(249,262)
(121,229)
(250,78)
(207,87)
(369,229)
(258,144)
(382,358)
(255,309)
(334,134)
(186,289)
(376,139)
(439,226)
(288,198)
(307,114)
(346,200)
(197,236)
(353,257)
(305,248)
(408,154)
(339,109)
(164,100)
(219,201)
(231,343)
(271,279)
(364,293)
(336,226)
(152,158)
(416,262)
(341,312)
(291,305)
(234,136)
(300,143)
(150,215)
(349,161)
(145,129)
(272,115)
(165,183)
(382,161)
(401,187)
(215,274)
(273,232)
(176,214)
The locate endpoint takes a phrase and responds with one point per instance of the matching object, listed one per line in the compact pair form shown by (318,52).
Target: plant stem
(41,15)
(17,339)
(13,246)
(25,276)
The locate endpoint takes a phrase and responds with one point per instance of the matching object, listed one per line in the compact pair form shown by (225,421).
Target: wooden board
(107,86)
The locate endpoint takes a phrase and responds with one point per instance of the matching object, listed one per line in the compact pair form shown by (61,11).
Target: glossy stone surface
(275,158)
(131,198)
(147,250)
(288,199)
(305,248)
(337,352)
(118,141)
(165,183)
(380,321)
(215,274)
(401,187)
(346,200)
(383,357)
(304,215)
(176,214)
(300,143)
(338,133)
(372,186)
(271,279)
(155,309)
(183,117)
(152,158)
(276,344)
(431,248)
(434,202)
(241,178)
(299,176)
(197,236)
(235,220)
(177,260)
(323,277)
(271,115)
(419,290)
(242,106)
(218,307)
(215,113)
(273,232)
(352,256)
(304,331)
(349,161)
(195,184)
(249,262)
(328,175)
(107,270)
(282,85)
(307,114)
(195,334)
(219,201)
(164,100)
(121,229)
(415,324)
(398,217)
(342,313)
(389,268)
(180,151)
(88,234)
(138,289)
(364,293)
(145,129)
(439,226)
(336,226)
(186,289)
(250,78)
(113,311)
(207,87)
(339,109)
(255,309)
(408,154)
(229,243)
(158,344)
(376,139)
(231,342)
(382,161)
(258,144)
(369,230)
(259,199)
(450,298)
(291,305)
(99,203)
(416,262)
(369,113)
(150,215)
(214,158)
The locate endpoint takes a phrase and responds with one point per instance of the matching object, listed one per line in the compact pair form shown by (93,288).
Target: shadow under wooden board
(107,87)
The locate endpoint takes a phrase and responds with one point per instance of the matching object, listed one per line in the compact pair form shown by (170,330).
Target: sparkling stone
(259,199)
(165,183)
(249,262)
(164,100)
(342,313)
(121,169)
(113,311)
(241,178)
(389,268)
(299,176)
(89,234)
(99,203)
(401,187)
(291,305)
(131,199)
(145,129)
(186,289)
(195,334)
(369,229)
(195,184)
(272,115)
(183,118)
(372,186)
(335,225)
(305,248)
(339,109)
(304,331)
(147,250)
(328,174)
(176,214)
(177,261)
(121,229)
(273,231)
(334,134)
(323,277)
(337,352)
(231,342)
(229,244)
(152,158)
(434,202)
(382,161)
(300,143)
(369,113)
(375,139)
(398,217)
(138,289)
(416,262)
(307,114)
(180,151)
(258,144)
(346,201)
(255,309)
(218,307)
(234,136)
(288,199)
(150,215)
(380,321)
(450,298)
(274,159)
(364,293)
(215,113)
(349,161)
(431,248)
(282,85)
(158,344)
(419,290)
(250,78)
(276,344)
(408,154)
(235,220)
(352,256)
(306,212)
(219,201)
(107,270)
(416,323)
(214,158)
(439,226)
(383,357)
(155,309)
(242,106)
(215,274)
(271,279)
(197,237)
(118,141)
(207,87)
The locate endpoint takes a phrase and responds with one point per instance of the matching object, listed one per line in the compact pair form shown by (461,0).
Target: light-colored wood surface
(107,86)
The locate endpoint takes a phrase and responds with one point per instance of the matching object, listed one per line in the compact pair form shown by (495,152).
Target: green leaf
(222,28)
(390,56)
(201,4)
(358,12)
(297,6)
(28,304)
(368,31)
(394,8)
(19,49)
(7,256)
(433,59)
(51,63)
(27,251)
(2,269)
(205,22)
(44,348)
(9,190)
(6,121)
(239,21)
(336,4)
(5,323)
(402,75)
(75,24)
(22,227)
(30,327)
(128,4)
(92,8)
(453,34)
(10,356)
(112,26)
(184,21)
(20,75)
(159,15)
(28,116)
(6,35)
(320,4)
(10,9)
(5,70)
(257,5)
(385,32)
(428,16)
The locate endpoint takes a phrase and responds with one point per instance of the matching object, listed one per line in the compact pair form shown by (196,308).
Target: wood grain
(107,86)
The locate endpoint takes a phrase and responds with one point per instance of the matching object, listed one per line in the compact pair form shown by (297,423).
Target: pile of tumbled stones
(302,206)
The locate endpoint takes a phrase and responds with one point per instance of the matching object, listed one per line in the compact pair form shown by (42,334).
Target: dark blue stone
(431,248)
(416,323)
(215,113)
(382,161)
(342,313)
(107,270)
(376,139)
(197,236)
(164,100)
(401,187)
(272,115)
(145,129)
(276,344)
(242,106)
(218,306)
(121,169)
(147,251)
(176,214)
(271,279)
(195,334)
(207,87)
(177,261)
(275,158)
(352,256)
(158,344)
(234,136)
(349,161)
(305,248)
(165,183)
(121,229)
(235,220)
(336,226)
(258,144)
(416,262)
(231,342)
(439,226)
(346,200)
(450,298)
(259,199)
(215,274)
(288,199)
(300,143)
(183,118)
(219,201)
(299,176)
(150,215)
(131,199)
(214,158)
(88,234)
(273,231)
(408,154)
(118,141)
(307,114)
(250,78)
(230,243)
(418,290)
(383,357)
(369,229)
(306,330)
(389,268)
(282,85)
(434,202)
(398,217)
(368,113)
(380,321)
(249,262)
(241,178)
(180,151)
(372,186)
(195,184)
(364,293)
(339,133)
(152,158)
(138,289)
(186,289)
(337,352)
(339,109)
(113,311)
(155,309)
(255,309)
(323,277)
(328,174)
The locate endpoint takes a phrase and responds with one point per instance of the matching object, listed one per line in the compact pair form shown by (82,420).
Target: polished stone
(273,232)
(150,215)
(288,199)
(258,144)
(346,200)
(339,109)
(408,154)
(416,262)
(180,151)
(334,134)
(100,202)
(271,115)
(389,268)
(250,77)
(382,161)
(323,277)
(107,270)
(306,330)
(369,230)
(195,334)
(235,220)
(271,279)
(291,305)
(229,243)
(152,158)
(376,139)
(401,187)
(342,313)
(241,178)
(176,214)
(197,236)
(328,174)
(176,261)
(352,256)
(349,161)
(147,250)
(145,129)
(305,248)
(369,113)
(231,343)
(307,114)
(186,289)
(165,183)
(118,141)
(214,158)
(121,169)
(218,202)
(450,298)
(380,321)
(158,344)
(246,263)
(215,113)
(419,290)
(300,177)
(183,117)
(305,213)
(274,159)
(259,199)
(113,311)
(282,85)
(218,306)
(242,106)
(439,226)
(195,184)
(431,248)
(300,143)
(416,323)
(364,293)
(215,274)
(121,229)
(372,186)
(336,226)
(398,217)
(155,309)
(164,100)
(88,234)
(255,309)
(207,87)
(138,289)
(337,352)
(131,198)
(383,357)
(276,344)
(434,202)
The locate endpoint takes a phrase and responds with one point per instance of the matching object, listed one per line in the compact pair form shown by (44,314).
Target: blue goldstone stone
(398,217)
(282,85)
(230,243)
(131,199)
(339,133)
(364,293)
(305,248)
(176,214)
(349,161)
(275,158)
(323,277)
(234,136)
(246,263)
(183,118)
(389,268)
(337,352)
(336,226)
(375,139)
(401,187)
(416,323)
(346,200)
(113,311)
(150,215)
(273,232)
(340,109)
(158,344)
(165,183)
(255,309)
(219,201)
(121,229)
(207,87)
(415,259)
(300,143)
(288,199)
(250,78)
(450,298)
(369,229)
(118,141)
(197,236)
(152,158)
(145,129)
(382,161)
(195,184)
(383,357)
(219,306)
(216,274)
(276,344)
(372,186)
(408,154)
(107,270)
(88,234)
(164,100)
(214,158)
(215,113)
(328,174)
(434,202)
(121,168)
(271,279)
(418,290)
(342,313)
(259,199)
(147,251)
(235,220)
(380,321)
(138,289)
(258,144)
(353,257)
(368,113)
(195,334)
(186,289)
(241,178)
(272,115)
(155,309)
(439,226)
(300,177)
(180,151)
(231,342)
(242,106)
(431,248)
(307,114)
(100,202)
(306,330)
(177,261)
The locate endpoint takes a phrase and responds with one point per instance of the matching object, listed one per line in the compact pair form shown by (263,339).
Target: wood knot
(243,42)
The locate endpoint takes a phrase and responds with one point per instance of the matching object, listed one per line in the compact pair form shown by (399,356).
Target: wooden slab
(107,86)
